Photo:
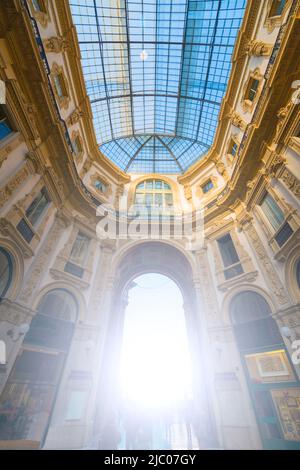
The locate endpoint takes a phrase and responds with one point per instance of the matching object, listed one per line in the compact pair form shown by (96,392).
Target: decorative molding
(9,230)
(276,165)
(13,184)
(291,182)
(248,105)
(41,16)
(56,44)
(188,192)
(206,286)
(61,275)
(74,117)
(77,142)
(97,177)
(41,261)
(86,167)
(13,142)
(272,22)
(258,48)
(281,115)
(221,169)
(237,121)
(58,71)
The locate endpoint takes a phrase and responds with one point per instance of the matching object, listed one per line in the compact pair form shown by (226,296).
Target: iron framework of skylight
(156,72)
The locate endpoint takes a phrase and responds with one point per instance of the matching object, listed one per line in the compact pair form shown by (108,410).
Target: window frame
(273,233)
(235,265)
(165,190)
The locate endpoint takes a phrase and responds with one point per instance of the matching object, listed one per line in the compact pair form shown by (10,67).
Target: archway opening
(155,367)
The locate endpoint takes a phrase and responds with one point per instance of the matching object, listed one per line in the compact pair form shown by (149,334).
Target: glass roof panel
(156,72)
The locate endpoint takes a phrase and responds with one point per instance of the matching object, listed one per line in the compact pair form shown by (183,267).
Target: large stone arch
(171,261)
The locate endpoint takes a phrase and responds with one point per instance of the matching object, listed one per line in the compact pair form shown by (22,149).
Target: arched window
(298,273)
(58,303)
(267,366)
(253,324)
(154,193)
(29,395)
(6,270)
(53,324)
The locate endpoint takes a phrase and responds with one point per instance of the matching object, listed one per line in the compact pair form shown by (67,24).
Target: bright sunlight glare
(155,361)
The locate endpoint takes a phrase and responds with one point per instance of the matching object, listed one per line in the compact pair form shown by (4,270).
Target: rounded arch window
(6,271)
(253,323)
(248,306)
(60,304)
(154,193)
(298,273)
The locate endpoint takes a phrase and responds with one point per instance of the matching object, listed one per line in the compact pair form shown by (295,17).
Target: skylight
(156,72)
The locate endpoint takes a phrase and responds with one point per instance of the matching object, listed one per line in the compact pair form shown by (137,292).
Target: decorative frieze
(41,261)
(188,192)
(13,143)
(102,285)
(237,121)
(221,169)
(85,167)
(56,44)
(75,117)
(258,48)
(291,182)
(207,287)
(14,183)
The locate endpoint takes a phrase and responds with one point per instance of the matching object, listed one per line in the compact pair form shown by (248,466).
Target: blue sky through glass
(156,111)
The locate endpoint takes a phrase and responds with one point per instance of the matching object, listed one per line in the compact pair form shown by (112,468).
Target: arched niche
(292,274)
(17,265)
(67,287)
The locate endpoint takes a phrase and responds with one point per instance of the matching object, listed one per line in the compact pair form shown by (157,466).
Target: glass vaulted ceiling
(156,72)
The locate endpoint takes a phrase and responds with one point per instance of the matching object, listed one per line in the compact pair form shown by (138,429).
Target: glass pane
(158,184)
(149,184)
(161,69)
(248,306)
(80,249)
(228,251)
(58,303)
(5,128)
(37,207)
(284,234)
(169,199)
(207,186)
(139,198)
(272,211)
(158,199)
(27,399)
(149,200)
